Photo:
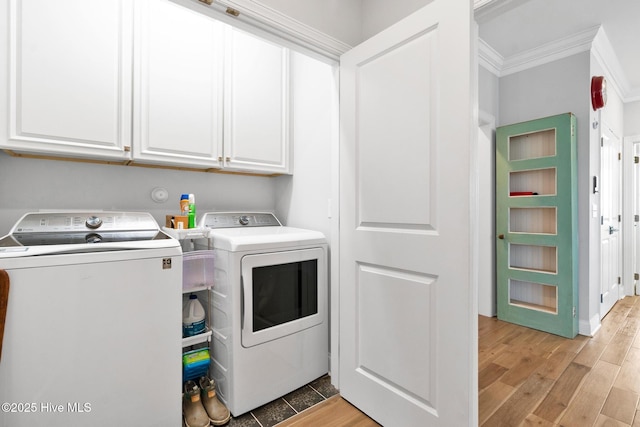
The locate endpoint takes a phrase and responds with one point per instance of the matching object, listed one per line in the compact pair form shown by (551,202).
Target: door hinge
(602,220)
(601,298)
(636,159)
(619,280)
(636,276)
(601,142)
(636,218)
(619,218)
(574,312)
(619,156)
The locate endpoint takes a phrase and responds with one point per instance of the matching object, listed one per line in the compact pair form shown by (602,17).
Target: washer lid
(72,232)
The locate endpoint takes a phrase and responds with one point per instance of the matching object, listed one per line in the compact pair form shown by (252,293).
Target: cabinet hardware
(636,159)
(127,148)
(232,12)
(227,159)
(501,236)
(636,218)
(636,276)
(206,1)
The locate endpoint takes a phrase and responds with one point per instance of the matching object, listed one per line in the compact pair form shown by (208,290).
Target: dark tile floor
(287,406)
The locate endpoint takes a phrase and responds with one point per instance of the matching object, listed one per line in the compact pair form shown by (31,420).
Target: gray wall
(632,118)
(488,93)
(31,184)
(555,88)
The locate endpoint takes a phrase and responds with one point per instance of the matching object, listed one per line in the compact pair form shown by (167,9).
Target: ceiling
(512,27)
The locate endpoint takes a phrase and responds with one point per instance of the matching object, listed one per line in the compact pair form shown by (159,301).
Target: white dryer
(269,305)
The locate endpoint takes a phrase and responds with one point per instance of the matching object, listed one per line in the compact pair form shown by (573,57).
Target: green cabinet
(537,224)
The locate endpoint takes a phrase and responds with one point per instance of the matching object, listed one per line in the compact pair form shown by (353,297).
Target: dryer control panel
(239,219)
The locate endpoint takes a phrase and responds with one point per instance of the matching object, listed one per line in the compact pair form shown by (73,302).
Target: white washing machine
(269,305)
(93,327)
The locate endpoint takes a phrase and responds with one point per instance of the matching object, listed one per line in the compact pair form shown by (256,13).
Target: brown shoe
(192,410)
(218,413)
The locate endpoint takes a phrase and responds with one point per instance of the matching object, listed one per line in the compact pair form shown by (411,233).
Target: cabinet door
(69,77)
(537,226)
(256,104)
(178,86)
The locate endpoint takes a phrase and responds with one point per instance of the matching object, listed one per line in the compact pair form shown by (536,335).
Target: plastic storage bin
(197,270)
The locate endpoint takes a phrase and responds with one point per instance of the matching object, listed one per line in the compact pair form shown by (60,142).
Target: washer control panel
(51,228)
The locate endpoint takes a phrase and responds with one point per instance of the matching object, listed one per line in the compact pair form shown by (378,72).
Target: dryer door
(282,293)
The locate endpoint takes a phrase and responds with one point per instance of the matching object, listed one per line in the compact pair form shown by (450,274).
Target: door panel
(536,223)
(405,236)
(610,209)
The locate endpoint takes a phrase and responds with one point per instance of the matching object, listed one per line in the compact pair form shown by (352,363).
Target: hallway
(528,377)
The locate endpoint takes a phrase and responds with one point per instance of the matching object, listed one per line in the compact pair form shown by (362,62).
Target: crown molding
(489,58)
(592,39)
(603,51)
(254,14)
(549,52)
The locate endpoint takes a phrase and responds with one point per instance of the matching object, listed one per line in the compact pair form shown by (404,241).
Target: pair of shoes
(218,413)
(200,405)
(194,414)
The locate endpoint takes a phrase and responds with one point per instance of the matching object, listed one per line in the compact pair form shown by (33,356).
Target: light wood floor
(529,378)
(333,412)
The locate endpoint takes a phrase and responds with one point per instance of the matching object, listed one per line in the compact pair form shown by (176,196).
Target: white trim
(606,57)
(549,52)
(489,58)
(628,226)
(589,328)
(593,39)
(254,14)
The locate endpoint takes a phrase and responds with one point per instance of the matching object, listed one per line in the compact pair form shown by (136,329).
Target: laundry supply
(193,322)
(184,205)
(195,363)
(192,211)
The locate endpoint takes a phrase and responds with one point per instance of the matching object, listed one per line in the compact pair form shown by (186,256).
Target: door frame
(487,304)
(630,199)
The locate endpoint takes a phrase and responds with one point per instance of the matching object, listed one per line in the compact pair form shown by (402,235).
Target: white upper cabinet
(256,116)
(178,86)
(69,67)
(145,81)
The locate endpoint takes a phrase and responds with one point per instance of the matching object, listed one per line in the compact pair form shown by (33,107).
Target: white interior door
(636,212)
(610,172)
(408,317)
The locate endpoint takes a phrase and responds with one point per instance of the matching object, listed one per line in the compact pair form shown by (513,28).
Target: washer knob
(93,222)
(93,238)
(244,220)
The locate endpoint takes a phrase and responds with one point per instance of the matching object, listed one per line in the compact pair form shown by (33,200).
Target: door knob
(501,236)
(612,230)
